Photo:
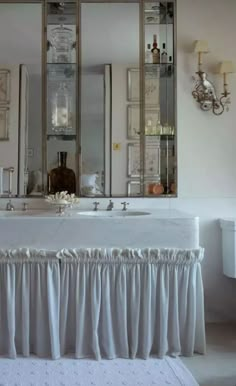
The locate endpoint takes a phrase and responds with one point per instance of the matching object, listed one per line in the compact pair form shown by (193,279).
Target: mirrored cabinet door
(20,99)
(158,116)
(128,131)
(61,73)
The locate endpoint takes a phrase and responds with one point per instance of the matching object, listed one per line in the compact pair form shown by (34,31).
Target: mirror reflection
(105,60)
(21,127)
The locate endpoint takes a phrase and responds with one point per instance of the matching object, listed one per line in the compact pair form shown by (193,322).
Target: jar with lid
(62,110)
(61,41)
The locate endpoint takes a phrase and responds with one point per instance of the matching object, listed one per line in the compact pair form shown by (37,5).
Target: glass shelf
(160,195)
(62,137)
(61,64)
(159,65)
(153,135)
(158,23)
(163,137)
(169,137)
(66,70)
(162,70)
(58,19)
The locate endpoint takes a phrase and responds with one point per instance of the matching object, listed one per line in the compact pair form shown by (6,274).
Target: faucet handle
(25,206)
(10,206)
(96,203)
(110,206)
(124,205)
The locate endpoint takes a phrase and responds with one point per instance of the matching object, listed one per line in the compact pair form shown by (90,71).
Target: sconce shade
(201,46)
(226,67)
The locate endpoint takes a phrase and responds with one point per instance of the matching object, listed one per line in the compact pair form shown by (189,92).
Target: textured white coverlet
(71,372)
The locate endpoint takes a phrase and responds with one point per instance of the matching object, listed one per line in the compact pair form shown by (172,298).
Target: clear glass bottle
(169,67)
(148,127)
(61,110)
(148,54)
(158,127)
(164,54)
(61,178)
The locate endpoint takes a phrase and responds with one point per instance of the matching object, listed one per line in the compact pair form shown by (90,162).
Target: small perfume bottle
(169,67)
(148,127)
(158,128)
(148,54)
(164,54)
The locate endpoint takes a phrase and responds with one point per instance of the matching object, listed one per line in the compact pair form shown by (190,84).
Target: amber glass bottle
(155,51)
(62,178)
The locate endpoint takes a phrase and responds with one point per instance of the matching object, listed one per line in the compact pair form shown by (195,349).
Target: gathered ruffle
(130,255)
(105,255)
(27,255)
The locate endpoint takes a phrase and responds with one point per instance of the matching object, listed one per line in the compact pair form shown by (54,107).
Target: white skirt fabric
(101,303)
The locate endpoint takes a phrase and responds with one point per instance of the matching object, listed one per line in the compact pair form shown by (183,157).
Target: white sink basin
(112,213)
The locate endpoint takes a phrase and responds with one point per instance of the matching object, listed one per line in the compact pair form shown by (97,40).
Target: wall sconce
(204,91)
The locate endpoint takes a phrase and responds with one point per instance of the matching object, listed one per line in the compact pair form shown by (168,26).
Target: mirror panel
(21,55)
(109,47)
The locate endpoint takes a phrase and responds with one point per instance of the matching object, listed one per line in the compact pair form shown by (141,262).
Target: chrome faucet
(110,206)
(10,206)
(96,203)
(124,205)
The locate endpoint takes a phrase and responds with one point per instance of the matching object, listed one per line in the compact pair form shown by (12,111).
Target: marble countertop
(47,230)
(77,213)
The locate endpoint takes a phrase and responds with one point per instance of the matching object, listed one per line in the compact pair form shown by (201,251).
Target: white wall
(206,143)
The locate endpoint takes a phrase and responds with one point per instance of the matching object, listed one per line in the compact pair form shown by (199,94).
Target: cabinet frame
(144,106)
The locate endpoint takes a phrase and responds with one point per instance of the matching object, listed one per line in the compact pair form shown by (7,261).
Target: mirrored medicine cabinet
(87,98)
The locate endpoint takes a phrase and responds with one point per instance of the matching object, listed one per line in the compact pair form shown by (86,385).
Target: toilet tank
(228,227)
